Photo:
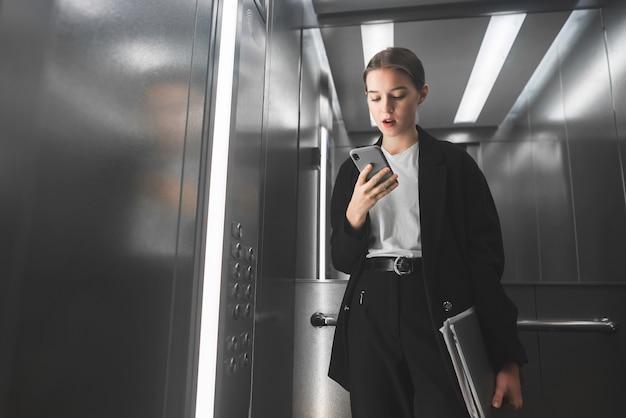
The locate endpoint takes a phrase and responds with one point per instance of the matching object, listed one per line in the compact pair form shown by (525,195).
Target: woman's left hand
(508,393)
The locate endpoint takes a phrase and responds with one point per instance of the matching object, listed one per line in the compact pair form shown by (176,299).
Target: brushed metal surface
(240,279)
(315,394)
(274,317)
(102,111)
(568,360)
(597,172)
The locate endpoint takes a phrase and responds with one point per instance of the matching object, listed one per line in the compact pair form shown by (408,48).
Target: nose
(387,105)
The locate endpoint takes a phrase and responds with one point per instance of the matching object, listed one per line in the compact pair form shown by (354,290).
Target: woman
(420,247)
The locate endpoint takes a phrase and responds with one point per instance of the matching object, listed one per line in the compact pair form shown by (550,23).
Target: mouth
(388,122)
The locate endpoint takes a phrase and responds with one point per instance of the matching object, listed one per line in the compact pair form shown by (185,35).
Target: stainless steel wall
(274,317)
(315,395)
(239,281)
(105,114)
(557,169)
(102,108)
(309,161)
(558,177)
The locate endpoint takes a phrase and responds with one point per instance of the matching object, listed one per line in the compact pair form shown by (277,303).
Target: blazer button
(447,306)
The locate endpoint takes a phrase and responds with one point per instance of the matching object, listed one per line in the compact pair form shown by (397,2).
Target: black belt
(399,265)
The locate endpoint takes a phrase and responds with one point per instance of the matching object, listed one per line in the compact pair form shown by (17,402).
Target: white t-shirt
(395,219)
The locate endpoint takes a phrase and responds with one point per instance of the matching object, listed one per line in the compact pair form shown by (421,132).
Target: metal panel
(107,127)
(557,244)
(346,65)
(274,321)
(613,17)
(597,181)
(242,222)
(309,162)
(508,167)
(315,394)
(583,374)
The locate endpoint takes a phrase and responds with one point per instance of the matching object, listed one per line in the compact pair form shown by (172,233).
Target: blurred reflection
(160,189)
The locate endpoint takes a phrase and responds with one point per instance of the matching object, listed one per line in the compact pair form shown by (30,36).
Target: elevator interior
(111,121)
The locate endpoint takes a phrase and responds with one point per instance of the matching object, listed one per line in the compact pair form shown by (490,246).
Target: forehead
(387,79)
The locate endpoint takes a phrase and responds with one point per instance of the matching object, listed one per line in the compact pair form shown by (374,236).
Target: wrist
(512,368)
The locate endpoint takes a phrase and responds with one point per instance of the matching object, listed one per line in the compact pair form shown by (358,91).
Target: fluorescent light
(207,361)
(375,38)
(499,37)
(322,202)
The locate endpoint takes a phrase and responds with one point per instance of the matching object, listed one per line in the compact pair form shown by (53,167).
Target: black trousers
(395,363)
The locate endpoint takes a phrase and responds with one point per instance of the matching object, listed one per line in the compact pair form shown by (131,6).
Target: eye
(402,96)
(374,99)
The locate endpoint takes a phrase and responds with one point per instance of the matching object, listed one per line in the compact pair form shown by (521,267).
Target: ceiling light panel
(497,43)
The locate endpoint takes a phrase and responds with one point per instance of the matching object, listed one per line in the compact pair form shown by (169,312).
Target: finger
(362,179)
(377,178)
(515,402)
(498,396)
(391,182)
(387,186)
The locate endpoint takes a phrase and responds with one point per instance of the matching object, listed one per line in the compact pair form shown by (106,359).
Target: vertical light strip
(207,361)
(499,37)
(322,202)
(375,38)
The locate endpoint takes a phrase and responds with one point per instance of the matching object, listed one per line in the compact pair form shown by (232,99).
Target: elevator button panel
(240,306)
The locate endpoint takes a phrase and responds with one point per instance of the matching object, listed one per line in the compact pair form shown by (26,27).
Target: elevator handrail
(604,325)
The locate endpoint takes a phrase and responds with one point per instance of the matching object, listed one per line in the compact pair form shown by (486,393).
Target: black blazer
(462,253)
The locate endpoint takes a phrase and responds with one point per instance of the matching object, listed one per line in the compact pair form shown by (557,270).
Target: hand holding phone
(373,155)
(365,196)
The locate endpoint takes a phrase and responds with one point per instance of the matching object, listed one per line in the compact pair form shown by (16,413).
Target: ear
(423,93)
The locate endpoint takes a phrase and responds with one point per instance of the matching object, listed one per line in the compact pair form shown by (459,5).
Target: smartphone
(370,155)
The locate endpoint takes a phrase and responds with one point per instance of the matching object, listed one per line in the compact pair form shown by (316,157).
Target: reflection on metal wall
(557,174)
(557,170)
(102,108)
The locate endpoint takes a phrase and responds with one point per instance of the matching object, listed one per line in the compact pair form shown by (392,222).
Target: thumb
(496,402)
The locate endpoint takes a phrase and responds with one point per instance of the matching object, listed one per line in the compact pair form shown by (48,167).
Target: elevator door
(101,131)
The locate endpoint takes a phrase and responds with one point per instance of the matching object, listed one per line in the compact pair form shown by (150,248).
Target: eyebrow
(393,89)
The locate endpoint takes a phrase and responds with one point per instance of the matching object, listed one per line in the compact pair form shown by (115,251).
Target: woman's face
(393,100)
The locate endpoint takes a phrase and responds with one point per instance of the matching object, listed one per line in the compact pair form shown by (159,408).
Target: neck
(397,144)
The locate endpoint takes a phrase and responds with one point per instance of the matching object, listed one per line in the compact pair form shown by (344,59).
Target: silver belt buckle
(402,266)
